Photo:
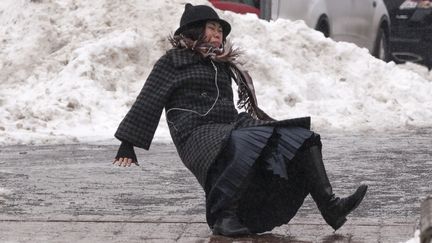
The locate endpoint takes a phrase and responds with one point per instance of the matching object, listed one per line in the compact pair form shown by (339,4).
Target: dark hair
(195,31)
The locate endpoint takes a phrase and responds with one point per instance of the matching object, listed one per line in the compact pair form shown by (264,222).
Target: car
(238,6)
(411,32)
(365,23)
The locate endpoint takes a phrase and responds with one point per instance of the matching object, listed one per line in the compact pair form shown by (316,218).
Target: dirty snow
(70,70)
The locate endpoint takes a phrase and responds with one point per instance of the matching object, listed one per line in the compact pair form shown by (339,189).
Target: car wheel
(381,50)
(322,26)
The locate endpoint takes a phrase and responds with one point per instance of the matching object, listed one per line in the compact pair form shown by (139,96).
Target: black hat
(200,13)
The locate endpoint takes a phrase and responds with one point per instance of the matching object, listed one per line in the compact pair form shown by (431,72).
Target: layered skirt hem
(259,169)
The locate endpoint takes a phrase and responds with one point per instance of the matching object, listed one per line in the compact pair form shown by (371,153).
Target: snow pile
(419,69)
(416,238)
(70,70)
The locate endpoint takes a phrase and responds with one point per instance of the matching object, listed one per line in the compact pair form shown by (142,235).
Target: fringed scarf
(246,90)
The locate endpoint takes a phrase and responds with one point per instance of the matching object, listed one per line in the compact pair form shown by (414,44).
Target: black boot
(333,209)
(228,224)
(336,210)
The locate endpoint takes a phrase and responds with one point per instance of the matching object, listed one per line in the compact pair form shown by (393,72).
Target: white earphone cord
(196,112)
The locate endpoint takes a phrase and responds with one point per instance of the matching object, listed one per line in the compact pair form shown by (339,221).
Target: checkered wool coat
(182,80)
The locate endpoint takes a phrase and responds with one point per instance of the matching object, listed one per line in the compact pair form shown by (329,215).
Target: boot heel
(339,223)
(229,225)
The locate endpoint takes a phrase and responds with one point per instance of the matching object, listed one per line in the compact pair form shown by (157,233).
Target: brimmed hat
(200,13)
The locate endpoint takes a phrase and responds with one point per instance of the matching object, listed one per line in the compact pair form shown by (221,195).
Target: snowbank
(69,71)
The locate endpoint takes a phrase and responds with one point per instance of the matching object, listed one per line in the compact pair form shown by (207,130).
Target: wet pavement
(72,193)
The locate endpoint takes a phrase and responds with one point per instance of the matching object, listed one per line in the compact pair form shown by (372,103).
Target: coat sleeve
(140,123)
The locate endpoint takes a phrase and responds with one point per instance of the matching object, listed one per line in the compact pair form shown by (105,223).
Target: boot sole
(238,233)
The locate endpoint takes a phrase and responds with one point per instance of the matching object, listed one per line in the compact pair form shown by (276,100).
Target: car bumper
(412,45)
(412,40)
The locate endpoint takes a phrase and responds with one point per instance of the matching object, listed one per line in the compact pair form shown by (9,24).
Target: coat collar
(183,57)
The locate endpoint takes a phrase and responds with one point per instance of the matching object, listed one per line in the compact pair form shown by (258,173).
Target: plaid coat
(185,85)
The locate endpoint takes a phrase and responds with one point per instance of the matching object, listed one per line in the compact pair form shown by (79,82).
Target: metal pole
(265,9)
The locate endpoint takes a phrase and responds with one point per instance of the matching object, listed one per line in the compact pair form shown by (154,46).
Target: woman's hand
(125,162)
(125,155)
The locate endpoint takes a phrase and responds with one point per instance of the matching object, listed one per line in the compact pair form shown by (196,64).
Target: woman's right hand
(125,162)
(125,155)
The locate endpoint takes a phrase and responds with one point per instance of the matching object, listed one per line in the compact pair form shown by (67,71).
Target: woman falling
(255,171)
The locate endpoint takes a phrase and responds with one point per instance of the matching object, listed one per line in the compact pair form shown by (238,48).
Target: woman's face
(213,33)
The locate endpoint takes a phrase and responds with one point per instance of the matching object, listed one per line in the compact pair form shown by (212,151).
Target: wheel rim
(382,46)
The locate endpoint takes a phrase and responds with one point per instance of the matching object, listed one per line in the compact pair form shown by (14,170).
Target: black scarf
(246,90)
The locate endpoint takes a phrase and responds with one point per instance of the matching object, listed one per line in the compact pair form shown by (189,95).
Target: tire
(322,26)
(381,50)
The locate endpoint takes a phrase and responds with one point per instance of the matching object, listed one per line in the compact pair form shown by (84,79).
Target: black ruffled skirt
(260,169)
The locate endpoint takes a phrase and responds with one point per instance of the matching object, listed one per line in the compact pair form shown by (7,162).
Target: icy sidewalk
(72,193)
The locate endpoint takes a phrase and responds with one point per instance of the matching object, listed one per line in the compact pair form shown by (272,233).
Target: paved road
(71,193)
